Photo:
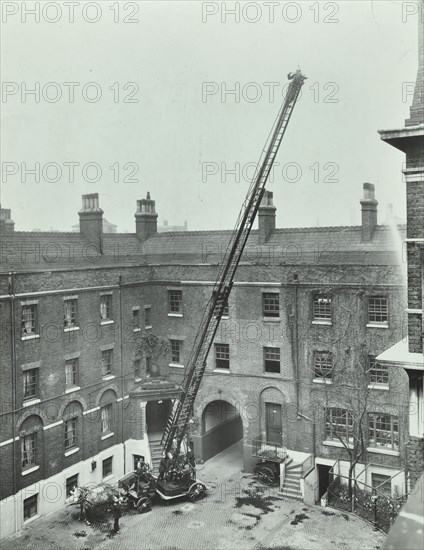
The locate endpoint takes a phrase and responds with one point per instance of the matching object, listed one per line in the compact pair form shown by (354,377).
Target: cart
(138,494)
(271,455)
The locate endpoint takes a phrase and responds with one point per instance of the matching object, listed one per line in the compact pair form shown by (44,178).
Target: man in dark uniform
(116,513)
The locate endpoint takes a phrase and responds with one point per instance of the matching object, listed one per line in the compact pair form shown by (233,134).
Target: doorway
(274,423)
(323,479)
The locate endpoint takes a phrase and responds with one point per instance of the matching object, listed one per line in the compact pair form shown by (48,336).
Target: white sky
(170,133)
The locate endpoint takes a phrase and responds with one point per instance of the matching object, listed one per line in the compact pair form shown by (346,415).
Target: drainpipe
(121,347)
(14,386)
(295,339)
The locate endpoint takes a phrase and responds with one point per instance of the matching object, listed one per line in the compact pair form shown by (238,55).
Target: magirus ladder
(183,406)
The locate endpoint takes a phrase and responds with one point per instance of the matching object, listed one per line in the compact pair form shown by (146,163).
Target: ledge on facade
(381,451)
(337,444)
(72,451)
(400,356)
(384,387)
(31,402)
(30,470)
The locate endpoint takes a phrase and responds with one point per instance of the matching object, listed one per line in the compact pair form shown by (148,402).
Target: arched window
(72,423)
(31,438)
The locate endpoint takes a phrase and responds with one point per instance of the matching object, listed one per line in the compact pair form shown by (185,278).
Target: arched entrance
(157,413)
(222,427)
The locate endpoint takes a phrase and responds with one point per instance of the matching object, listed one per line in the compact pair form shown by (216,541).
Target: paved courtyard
(238,513)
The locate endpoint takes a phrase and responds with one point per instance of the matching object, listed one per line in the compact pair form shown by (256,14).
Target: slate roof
(29,251)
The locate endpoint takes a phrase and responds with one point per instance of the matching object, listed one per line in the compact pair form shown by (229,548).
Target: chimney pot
(91,220)
(146,219)
(266,217)
(369,212)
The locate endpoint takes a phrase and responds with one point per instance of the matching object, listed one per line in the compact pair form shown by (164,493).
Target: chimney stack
(7,225)
(369,213)
(266,217)
(146,219)
(91,220)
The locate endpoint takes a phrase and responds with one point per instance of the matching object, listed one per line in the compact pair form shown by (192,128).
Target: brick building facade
(81,398)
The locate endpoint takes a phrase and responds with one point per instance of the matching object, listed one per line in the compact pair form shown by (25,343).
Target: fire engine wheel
(144,505)
(266,475)
(196,491)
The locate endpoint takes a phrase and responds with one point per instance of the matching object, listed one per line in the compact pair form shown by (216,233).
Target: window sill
(176,365)
(271,319)
(107,322)
(175,314)
(26,521)
(70,329)
(337,444)
(106,436)
(225,317)
(72,451)
(384,387)
(30,337)
(108,377)
(106,478)
(223,371)
(374,325)
(30,470)
(383,451)
(322,322)
(322,381)
(74,388)
(272,374)
(137,329)
(31,402)
(148,327)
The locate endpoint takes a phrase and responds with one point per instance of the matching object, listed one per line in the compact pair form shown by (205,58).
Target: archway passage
(222,427)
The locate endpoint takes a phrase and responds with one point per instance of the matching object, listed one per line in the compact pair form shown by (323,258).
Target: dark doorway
(274,423)
(157,413)
(323,479)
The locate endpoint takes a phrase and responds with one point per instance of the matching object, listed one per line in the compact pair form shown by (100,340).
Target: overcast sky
(182,129)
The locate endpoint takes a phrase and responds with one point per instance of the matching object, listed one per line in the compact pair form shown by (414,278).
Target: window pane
(70,433)
(71,368)
(70,313)
(28,447)
(222,356)
(29,319)
(379,374)
(323,367)
(107,466)
(272,359)
(175,351)
(30,378)
(322,308)
(271,304)
(30,507)
(106,362)
(377,310)
(175,300)
(71,482)
(105,307)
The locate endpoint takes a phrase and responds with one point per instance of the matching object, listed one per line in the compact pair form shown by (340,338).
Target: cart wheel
(196,491)
(266,475)
(144,505)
